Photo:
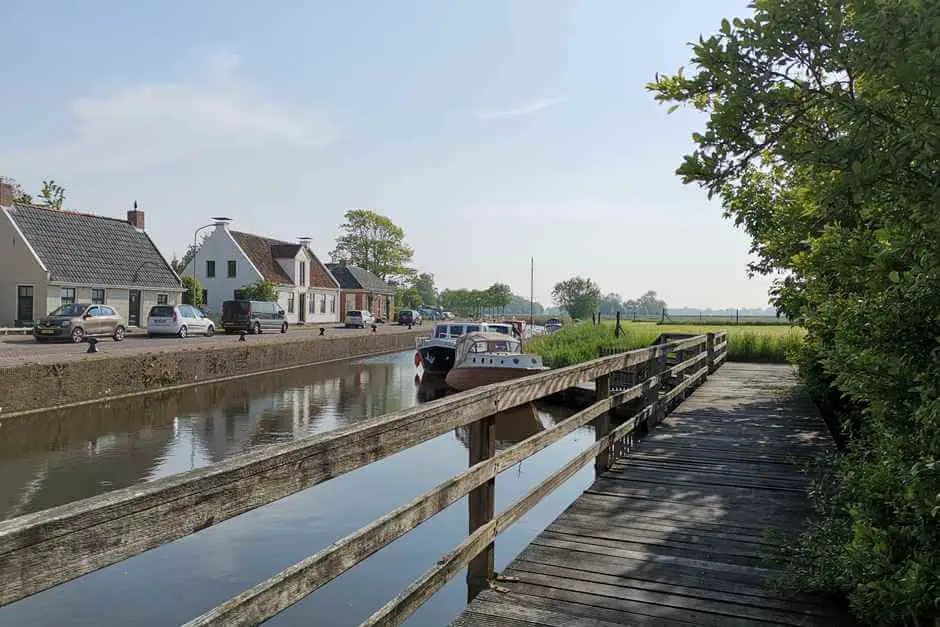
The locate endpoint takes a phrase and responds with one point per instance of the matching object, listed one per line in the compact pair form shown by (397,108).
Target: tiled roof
(264,252)
(356,278)
(92,250)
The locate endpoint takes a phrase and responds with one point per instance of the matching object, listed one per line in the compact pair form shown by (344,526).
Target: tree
(408,297)
(260,290)
(646,306)
(52,194)
(424,283)
(822,140)
(577,296)
(610,305)
(179,265)
(372,241)
(19,195)
(497,296)
(192,291)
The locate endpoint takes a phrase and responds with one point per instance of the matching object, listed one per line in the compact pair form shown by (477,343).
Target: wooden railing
(44,549)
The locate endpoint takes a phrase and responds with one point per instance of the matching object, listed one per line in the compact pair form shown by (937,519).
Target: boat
(552,325)
(436,353)
(484,358)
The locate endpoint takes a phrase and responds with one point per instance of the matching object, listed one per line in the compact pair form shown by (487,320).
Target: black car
(409,316)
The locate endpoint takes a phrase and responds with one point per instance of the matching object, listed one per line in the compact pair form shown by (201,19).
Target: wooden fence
(47,548)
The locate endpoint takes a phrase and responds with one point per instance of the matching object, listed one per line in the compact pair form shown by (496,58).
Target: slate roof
(92,250)
(356,278)
(264,253)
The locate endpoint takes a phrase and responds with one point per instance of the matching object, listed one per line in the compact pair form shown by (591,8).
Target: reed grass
(577,343)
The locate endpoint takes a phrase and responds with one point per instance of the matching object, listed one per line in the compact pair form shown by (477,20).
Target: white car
(358,318)
(181,320)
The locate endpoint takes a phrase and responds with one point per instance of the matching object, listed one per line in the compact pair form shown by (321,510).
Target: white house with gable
(229,260)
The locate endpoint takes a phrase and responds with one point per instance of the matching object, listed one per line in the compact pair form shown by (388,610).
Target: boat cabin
(453,331)
(476,344)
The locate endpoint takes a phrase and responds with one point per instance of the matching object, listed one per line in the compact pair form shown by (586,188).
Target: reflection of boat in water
(484,358)
(431,386)
(512,426)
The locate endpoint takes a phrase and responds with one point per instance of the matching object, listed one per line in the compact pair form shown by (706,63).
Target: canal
(63,456)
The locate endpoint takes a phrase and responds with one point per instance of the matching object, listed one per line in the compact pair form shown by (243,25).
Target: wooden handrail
(44,549)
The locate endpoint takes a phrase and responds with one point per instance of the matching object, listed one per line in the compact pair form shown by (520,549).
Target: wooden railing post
(602,424)
(482,503)
(710,347)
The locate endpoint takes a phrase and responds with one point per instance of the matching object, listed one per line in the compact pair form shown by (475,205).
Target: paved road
(18,349)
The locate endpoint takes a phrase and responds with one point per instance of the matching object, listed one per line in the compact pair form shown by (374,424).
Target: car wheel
(256,329)
(210,331)
(119,334)
(182,331)
(151,335)
(284,328)
(78,334)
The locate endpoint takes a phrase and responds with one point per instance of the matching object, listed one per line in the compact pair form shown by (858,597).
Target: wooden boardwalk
(677,531)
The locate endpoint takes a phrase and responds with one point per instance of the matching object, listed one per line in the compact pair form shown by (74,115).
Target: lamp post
(196,250)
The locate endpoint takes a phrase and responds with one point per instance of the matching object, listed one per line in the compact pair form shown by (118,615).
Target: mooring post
(482,502)
(602,424)
(710,347)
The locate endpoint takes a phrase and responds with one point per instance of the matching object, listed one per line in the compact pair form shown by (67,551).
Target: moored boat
(436,353)
(484,358)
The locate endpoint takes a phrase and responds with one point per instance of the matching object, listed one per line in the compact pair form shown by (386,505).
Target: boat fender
(418,359)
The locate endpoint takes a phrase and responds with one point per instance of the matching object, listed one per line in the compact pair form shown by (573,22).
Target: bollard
(409,326)
(374,328)
(92,345)
(241,338)
(322,330)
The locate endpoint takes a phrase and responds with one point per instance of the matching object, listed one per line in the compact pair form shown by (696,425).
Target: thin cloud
(527,108)
(153,123)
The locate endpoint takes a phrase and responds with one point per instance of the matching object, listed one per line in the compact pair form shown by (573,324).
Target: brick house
(360,289)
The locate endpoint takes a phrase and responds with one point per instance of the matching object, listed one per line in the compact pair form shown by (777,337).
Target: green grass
(580,342)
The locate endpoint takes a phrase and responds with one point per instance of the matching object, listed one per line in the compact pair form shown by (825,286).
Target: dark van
(253,316)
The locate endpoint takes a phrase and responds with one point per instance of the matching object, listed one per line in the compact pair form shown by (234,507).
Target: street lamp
(196,250)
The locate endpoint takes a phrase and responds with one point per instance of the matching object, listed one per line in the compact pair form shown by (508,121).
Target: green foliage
(576,343)
(52,194)
(490,301)
(372,241)
(408,297)
(577,296)
(260,290)
(424,283)
(193,291)
(19,195)
(823,141)
(646,306)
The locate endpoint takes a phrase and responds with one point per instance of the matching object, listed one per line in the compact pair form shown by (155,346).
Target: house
(229,260)
(50,258)
(363,290)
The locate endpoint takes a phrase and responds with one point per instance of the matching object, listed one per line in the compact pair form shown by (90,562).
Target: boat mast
(532,292)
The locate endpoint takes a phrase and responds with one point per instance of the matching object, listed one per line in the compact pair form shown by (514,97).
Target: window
(311,305)
(205,295)
(94,312)
(303,273)
(290,303)
(231,269)
(210,268)
(162,299)
(322,299)
(332,303)
(107,311)
(97,295)
(24,303)
(68,295)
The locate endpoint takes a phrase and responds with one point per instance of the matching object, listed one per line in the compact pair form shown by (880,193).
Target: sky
(492,131)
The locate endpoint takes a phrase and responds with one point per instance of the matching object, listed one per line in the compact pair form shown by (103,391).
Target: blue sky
(491,130)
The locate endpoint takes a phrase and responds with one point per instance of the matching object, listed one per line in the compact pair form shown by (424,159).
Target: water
(64,456)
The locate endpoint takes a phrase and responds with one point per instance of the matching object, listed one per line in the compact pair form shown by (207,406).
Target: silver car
(181,320)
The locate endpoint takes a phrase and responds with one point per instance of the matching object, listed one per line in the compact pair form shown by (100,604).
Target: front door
(24,304)
(303,307)
(133,309)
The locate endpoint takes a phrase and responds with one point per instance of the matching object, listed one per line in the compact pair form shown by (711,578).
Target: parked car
(253,316)
(357,318)
(409,316)
(77,321)
(181,320)
(446,315)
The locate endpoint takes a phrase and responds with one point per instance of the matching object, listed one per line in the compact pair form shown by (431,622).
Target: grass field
(580,342)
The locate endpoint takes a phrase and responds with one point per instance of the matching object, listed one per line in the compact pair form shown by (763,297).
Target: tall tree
(610,304)
(577,296)
(52,194)
(647,305)
(498,295)
(424,283)
(372,241)
(822,140)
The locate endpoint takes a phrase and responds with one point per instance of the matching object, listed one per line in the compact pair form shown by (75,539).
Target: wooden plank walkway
(676,532)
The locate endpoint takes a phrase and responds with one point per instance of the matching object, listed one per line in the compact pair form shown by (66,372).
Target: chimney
(136,218)
(305,241)
(6,194)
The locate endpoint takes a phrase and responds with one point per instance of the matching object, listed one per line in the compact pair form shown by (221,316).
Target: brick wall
(36,386)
